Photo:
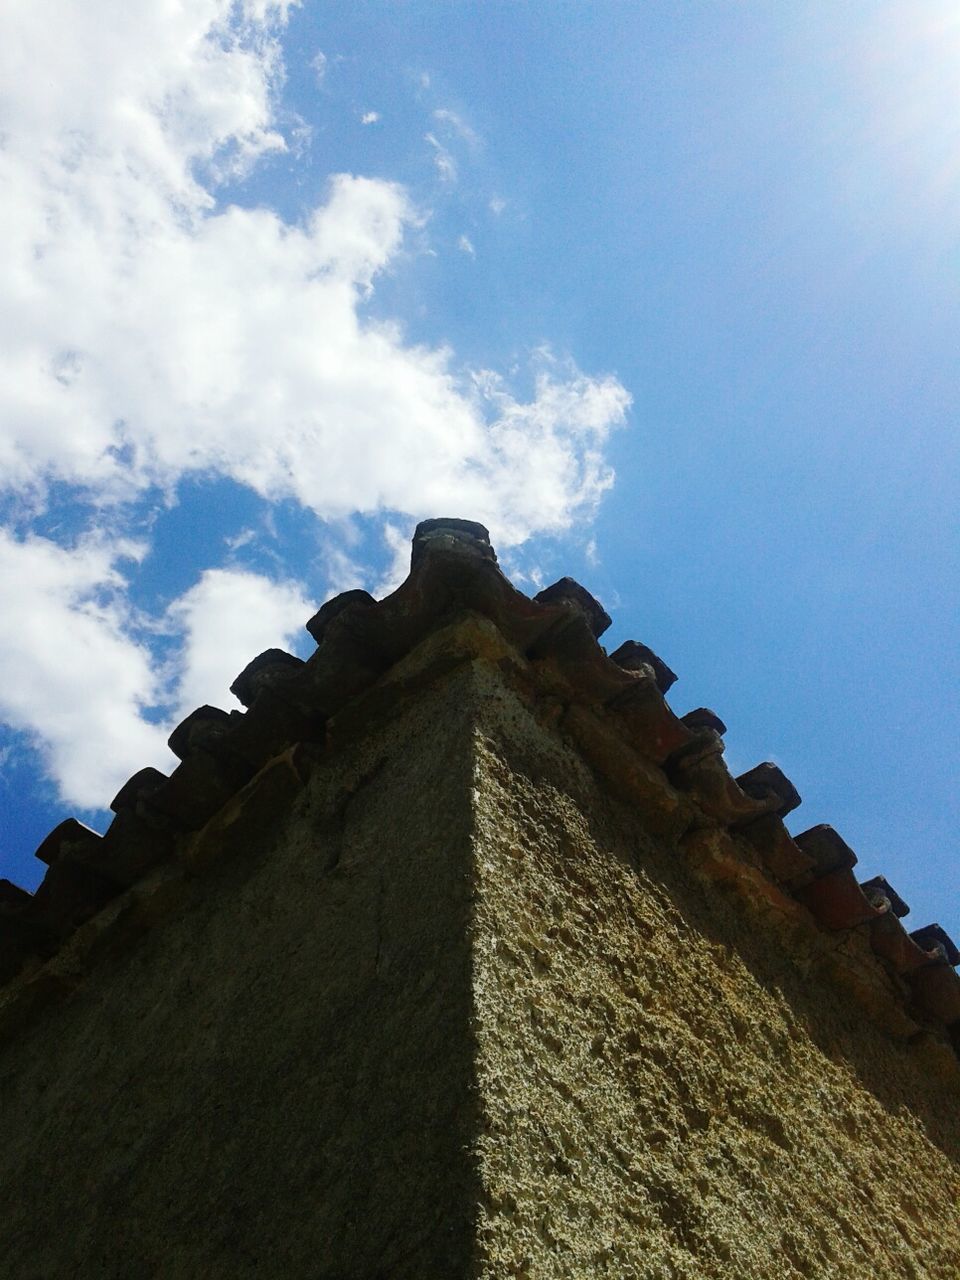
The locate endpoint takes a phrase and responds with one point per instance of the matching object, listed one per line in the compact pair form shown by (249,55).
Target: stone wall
(667,1090)
(459,954)
(275,1078)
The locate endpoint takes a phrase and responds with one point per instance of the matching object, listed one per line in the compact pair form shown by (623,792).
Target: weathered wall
(275,1080)
(665,1094)
(434,1004)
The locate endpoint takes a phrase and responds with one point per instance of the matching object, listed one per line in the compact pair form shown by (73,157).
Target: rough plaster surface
(663,1094)
(276,1081)
(447,1010)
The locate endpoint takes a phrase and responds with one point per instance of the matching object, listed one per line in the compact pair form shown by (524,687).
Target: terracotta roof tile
(632,655)
(768,780)
(668,768)
(891,941)
(837,901)
(198,731)
(567,591)
(318,624)
(266,671)
(932,938)
(830,852)
(448,533)
(704,718)
(64,840)
(142,785)
(882,894)
(779,852)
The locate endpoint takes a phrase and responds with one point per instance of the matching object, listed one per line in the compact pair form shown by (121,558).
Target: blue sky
(666,294)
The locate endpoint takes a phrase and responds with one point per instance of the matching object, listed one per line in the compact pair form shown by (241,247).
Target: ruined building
(460,954)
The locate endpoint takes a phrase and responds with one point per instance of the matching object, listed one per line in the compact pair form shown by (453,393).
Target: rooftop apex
(669,766)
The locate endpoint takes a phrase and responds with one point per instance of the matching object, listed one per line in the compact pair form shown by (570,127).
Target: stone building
(459,954)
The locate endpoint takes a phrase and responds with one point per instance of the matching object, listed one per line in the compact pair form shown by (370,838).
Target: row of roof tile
(454,570)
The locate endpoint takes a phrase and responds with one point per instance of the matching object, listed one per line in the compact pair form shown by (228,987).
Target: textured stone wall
(665,1092)
(274,1080)
(440,1000)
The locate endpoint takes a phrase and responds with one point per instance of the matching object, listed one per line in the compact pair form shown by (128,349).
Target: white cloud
(237,541)
(397,541)
(370,117)
(79,682)
(549,448)
(341,570)
(318,65)
(455,123)
(73,678)
(465,245)
(265,10)
(227,618)
(150,333)
(445,164)
(497,206)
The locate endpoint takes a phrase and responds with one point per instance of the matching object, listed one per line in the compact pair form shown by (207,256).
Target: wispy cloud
(465,245)
(237,541)
(444,161)
(370,117)
(456,124)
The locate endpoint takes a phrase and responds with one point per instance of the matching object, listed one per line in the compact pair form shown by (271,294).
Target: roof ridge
(616,712)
